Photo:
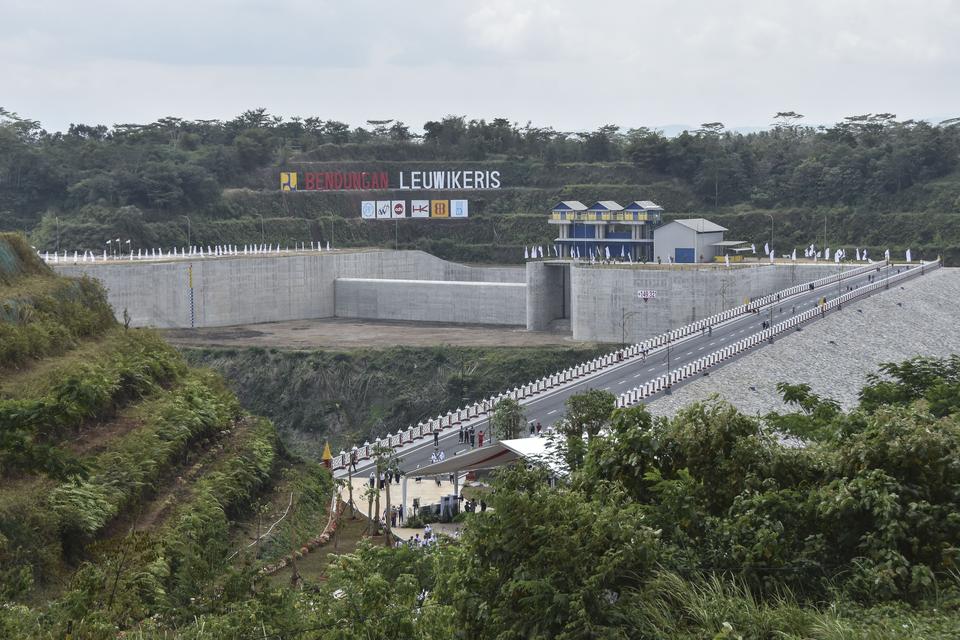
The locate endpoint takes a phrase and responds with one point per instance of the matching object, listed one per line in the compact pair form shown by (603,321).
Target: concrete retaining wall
(434,301)
(601,294)
(250,289)
(547,294)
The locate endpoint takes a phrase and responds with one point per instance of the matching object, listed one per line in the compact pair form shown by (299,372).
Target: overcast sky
(573,65)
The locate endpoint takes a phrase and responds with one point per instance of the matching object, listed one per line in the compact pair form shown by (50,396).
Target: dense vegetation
(348,397)
(876,181)
(123,472)
(131,484)
(703,525)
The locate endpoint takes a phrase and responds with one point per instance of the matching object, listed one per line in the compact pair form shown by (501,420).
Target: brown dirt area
(336,333)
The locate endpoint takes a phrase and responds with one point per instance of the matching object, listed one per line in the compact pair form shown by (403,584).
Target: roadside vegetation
(346,397)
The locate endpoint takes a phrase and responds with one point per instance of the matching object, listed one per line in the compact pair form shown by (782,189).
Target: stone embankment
(834,355)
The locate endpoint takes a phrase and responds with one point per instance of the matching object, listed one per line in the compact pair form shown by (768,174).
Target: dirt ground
(334,333)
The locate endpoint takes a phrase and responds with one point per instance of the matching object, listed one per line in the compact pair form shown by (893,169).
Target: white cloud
(573,65)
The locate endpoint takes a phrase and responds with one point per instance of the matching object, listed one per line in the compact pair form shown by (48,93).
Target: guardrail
(480,410)
(667,380)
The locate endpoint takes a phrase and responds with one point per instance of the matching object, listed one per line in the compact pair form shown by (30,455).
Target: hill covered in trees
(871,180)
(131,487)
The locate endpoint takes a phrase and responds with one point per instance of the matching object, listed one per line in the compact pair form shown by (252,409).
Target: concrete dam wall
(598,302)
(224,291)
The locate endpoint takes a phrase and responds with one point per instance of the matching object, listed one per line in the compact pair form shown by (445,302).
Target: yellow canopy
(326,452)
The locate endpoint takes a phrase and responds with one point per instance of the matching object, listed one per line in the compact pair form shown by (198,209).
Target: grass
(42,375)
(313,567)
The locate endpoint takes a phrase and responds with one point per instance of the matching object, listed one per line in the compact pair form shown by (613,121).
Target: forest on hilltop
(879,181)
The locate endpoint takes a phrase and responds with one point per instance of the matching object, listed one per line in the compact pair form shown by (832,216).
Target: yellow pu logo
(288,181)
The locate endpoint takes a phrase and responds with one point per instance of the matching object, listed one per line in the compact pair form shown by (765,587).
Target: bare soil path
(338,333)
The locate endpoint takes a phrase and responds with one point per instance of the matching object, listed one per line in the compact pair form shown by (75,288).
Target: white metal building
(687,241)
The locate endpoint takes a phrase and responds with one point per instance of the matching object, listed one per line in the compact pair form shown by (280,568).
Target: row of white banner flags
(535,252)
(212,251)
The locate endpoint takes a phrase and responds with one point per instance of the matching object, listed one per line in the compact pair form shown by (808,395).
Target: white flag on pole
(909,257)
(886,254)
(836,257)
(753,249)
(858,254)
(607,251)
(766,247)
(726,259)
(826,253)
(794,256)
(328,245)
(771,257)
(526,253)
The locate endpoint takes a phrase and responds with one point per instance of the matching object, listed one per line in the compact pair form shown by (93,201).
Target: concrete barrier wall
(250,289)
(546,294)
(435,301)
(599,296)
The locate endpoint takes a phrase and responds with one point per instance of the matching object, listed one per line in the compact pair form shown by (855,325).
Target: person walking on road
(436,438)
(373,479)
(480,438)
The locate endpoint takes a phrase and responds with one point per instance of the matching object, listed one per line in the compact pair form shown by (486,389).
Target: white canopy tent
(493,456)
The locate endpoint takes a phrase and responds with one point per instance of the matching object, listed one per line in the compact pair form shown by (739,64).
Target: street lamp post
(769,215)
(58,234)
(839,306)
(668,390)
(261,227)
(188,231)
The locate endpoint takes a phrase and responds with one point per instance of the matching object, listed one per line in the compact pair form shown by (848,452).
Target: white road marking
(689,353)
(638,375)
(550,413)
(622,382)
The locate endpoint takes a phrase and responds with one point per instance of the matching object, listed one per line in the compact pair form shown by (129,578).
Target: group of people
(428,538)
(472,505)
(396,515)
(384,477)
(468,435)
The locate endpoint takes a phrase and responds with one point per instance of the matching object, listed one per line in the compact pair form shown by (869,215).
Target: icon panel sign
(288,181)
(419,208)
(458,209)
(399,208)
(384,209)
(646,294)
(368,209)
(439,208)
